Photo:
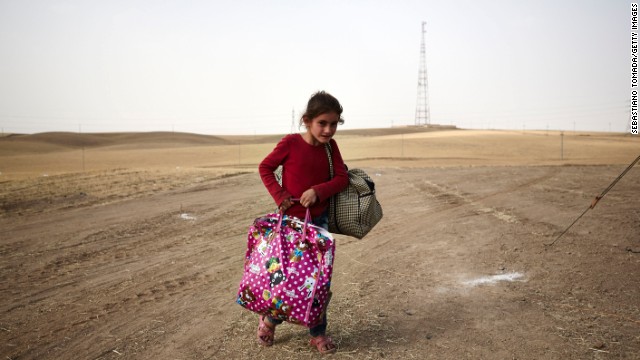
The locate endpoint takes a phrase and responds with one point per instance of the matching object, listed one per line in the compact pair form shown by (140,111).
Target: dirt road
(457,269)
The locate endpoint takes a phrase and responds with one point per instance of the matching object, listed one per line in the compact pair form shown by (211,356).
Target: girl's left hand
(308,198)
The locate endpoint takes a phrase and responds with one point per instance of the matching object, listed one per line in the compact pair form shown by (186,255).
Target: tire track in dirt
(434,199)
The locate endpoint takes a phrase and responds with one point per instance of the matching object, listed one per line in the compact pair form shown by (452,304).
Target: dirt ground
(135,263)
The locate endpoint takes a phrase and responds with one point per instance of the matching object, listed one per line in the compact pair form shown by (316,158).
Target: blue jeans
(320,329)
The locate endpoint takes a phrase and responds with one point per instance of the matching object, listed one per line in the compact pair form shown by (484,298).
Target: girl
(306,176)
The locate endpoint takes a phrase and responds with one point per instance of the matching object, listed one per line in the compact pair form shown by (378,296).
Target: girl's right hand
(285,204)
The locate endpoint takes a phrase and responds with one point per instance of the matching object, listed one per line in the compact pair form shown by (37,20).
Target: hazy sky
(242,67)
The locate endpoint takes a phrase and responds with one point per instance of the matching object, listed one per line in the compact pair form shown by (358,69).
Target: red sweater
(304,167)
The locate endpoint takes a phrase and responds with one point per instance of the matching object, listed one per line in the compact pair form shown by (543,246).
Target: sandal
(323,343)
(266,331)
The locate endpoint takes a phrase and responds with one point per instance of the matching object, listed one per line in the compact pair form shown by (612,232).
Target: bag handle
(328,149)
(307,220)
(315,289)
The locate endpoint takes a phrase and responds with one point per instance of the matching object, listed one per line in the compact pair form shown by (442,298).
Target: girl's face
(321,128)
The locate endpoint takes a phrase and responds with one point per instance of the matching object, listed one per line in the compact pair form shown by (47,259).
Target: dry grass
(35,155)
(67,190)
(58,170)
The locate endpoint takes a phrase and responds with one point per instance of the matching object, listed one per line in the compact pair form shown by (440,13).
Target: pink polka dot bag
(287,269)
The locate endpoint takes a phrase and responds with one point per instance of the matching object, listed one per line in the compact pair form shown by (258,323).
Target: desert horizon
(63,152)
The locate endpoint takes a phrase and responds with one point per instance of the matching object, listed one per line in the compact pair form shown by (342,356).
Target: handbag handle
(328,149)
(307,220)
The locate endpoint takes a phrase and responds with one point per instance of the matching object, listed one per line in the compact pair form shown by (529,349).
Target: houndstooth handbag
(355,210)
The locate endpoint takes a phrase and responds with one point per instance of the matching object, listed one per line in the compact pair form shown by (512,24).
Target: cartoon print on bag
(296,254)
(309,283)
(292,224)
(262,247)
(276,276)
(290,237)
(328,260)
(246,296)
(254,269)
(280,309)
(322,242)
(267,233)
(291,293)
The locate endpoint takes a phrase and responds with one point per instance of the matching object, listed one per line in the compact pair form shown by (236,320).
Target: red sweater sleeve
(269,165)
